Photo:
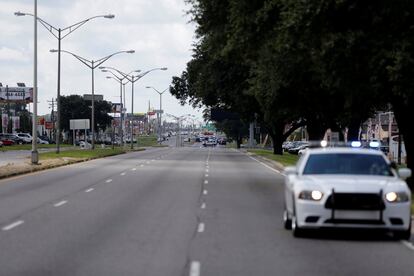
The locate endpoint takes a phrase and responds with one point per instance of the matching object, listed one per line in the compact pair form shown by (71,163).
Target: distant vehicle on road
(26,137)
(349,188)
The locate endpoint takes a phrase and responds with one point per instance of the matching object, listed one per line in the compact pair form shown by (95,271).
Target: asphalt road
(173,211)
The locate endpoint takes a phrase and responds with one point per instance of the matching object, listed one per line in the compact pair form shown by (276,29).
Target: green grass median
(82,154)
(29,147)
(286,159)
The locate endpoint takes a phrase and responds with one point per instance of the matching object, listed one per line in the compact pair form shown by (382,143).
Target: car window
(347,163)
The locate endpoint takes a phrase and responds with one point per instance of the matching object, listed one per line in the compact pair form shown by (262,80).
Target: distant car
(299,147)
(347,188)
(5,140)
(41,141)
(26,137)
(13,137)
(1,144)
(222,141)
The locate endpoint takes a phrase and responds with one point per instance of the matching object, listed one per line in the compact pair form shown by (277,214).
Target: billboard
(16,94)
(97,98)
(116,108)
(79,124)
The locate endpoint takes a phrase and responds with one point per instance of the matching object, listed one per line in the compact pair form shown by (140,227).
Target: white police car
(347,188)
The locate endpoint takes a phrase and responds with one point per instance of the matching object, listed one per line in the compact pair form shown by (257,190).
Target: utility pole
(52,117)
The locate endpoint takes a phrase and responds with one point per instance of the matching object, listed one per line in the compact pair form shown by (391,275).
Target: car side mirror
(290,170)
(404,173)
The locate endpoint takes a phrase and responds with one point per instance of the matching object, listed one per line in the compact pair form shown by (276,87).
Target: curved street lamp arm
(81,59)
(47,26)
(76,26)
(102,60)
(115,75)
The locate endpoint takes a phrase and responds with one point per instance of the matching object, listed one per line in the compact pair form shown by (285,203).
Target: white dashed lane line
(201,227)
(205,181)
(122,174)
(205,192)
(408,244)
(108,181)
(141,165)
(195,268)
(63,202)
(89,190)
(206,175)
(204,205)
(12,225)
(133,169)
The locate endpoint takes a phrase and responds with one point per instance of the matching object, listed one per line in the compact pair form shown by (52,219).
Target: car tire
(287,222)
(296,230)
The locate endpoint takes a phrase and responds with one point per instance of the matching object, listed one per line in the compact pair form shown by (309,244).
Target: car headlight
(396,197)
(311,195)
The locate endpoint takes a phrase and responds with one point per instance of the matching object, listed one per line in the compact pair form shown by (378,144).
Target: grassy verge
(147,141)
(29,147)
(286,159)
(82,154)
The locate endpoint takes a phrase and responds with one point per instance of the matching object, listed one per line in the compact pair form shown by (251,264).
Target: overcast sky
(158,30)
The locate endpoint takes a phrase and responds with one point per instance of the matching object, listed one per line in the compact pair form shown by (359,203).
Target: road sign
(157,111)
(79,124)
(116,108)
(88,97)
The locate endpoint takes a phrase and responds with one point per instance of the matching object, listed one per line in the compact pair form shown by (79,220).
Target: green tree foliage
(75,107)
(326,63)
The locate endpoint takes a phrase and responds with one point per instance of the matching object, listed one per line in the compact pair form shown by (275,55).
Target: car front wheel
(287,222)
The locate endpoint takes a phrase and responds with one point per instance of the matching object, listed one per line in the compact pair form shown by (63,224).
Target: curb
(66,163)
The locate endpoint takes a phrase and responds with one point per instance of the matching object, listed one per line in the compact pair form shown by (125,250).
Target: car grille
(352,201)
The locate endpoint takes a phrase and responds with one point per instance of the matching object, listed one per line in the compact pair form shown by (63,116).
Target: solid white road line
(267,166)
(195,268)
(123,174)
(12,225)
(201,227)
(408,244)
(63,202)
(89,190)
(108,181)
(204,205)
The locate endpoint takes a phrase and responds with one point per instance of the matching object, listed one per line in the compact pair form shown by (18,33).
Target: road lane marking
(205,192)
(408,244)
(207,170)
(201,227)
(142,165)
(133,169)
(148,162)
(204,205)
(195,268)
(267,166)
(205,181)
(12,225)
(123,174)
(63,202)
(206,175)
(89,190)
(108,181)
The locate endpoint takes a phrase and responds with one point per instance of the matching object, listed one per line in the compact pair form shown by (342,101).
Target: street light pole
(132,79)
(35,154)
(53,30)
(160,112)
(92,64)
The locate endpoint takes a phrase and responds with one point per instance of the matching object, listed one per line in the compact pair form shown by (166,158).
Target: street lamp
(57,33)
(35,154)
(132,79)
(92,64)
(121,84)
(160,111)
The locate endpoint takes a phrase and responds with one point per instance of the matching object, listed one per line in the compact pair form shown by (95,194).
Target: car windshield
(347,163)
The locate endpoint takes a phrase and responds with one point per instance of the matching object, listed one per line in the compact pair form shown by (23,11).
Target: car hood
(360,183)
